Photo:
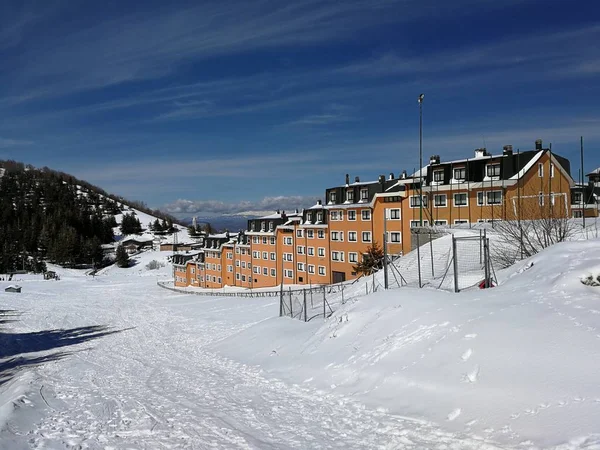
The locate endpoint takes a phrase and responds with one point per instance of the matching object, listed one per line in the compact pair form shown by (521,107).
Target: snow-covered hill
(511,367)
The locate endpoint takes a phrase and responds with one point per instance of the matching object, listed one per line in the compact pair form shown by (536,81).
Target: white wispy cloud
(215,207)
(10,143)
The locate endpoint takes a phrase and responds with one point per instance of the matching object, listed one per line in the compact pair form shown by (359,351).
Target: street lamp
(421,159)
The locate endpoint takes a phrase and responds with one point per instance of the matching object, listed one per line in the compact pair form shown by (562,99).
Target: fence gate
(305,304)
(470,265)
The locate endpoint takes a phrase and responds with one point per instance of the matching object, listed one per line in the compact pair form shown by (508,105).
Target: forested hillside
(51,216)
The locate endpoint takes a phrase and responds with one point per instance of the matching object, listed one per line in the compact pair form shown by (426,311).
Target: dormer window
(262,226)
(349,195)
(252,226)
(271,226)
(364,195)
(319,217)
(493,170)
(332,197)
(438,176)
(309,217)
(460,173)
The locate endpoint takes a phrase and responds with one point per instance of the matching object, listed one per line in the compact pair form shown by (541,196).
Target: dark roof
(382,185)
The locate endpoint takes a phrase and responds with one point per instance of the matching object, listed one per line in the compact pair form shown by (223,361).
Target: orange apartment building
(322,244)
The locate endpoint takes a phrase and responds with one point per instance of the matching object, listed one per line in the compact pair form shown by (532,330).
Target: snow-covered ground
(516,366)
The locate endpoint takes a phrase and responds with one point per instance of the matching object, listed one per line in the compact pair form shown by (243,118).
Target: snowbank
(516,363)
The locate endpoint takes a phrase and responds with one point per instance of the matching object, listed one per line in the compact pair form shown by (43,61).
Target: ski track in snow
(155,386)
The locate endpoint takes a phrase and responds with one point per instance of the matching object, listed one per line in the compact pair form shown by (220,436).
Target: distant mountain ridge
(232,223)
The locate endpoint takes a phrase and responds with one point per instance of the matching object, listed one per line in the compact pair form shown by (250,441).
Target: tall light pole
(421,159)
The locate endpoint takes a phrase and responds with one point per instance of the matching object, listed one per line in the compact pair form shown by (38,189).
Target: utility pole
(421,97)
(582,185)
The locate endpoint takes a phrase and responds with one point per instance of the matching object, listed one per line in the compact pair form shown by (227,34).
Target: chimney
(538,144)
(507,150)
(357,179)
(381,178)
(480,152)
(404,175)
(434,159)
(319,202)
(347,179)
(296,210)
(391,176)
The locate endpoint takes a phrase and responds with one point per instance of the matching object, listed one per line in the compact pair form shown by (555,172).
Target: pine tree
(122,257)
(372,260)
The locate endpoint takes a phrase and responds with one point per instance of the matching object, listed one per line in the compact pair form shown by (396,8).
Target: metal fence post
(291,305)
(304,293)
(486,260)
(455,262)
(281,304)
(343,302)
(419,259)
(431,251)
(324,302)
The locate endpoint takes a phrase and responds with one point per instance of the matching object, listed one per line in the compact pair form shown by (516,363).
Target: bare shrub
(154,265)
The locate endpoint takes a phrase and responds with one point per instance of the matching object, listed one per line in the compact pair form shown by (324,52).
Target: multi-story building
(323,244)
(585,198)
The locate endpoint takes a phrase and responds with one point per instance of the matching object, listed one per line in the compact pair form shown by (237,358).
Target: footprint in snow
(466,355)
(470,336)
(472,376)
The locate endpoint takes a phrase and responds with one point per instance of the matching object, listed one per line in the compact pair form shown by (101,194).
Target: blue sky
(209,107)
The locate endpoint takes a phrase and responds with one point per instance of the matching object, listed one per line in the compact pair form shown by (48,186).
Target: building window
(287,240)
(273,256)
(252,226)
(333,215)
(337,235)
(394,237)
(255,239)
(289,273)
(322,252)
(265,271)
(308,217)
(578,214)
(440,223)
(353,257)
(415,201)
(255,254)
(540,170)
(273,273)
(321,234)
(273,241)
(299,233)
(262,226)
(219,280)
(270,225)
(301,267)
(350,195)
(265,255)
(577,197)
(417,224)
(352,215)
(243,278)
(237,250)
(229,255)
(438,176)
(300,249)
(460,173)
(287,256)
(310,234)
(229,268)
(551,170)
(335,255)
(311,269)
(394,214)
(319,217)
(364,195)
(439,200)
(310,251)
(256,269)
(352,236)
(366,236)
(461,199)
(243,264)
(264,240)
(480,199)
(366,214)
(332,197)
(493,170)
(460,221)
(322,270)
(237,263)
(494,197)
(541,199)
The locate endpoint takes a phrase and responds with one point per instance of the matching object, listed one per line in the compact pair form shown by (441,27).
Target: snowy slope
(518,363)
(511,367)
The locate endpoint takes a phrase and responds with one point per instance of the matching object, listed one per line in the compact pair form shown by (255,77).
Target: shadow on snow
(15,347)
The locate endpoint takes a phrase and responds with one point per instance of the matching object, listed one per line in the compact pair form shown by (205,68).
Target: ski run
(116,362)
